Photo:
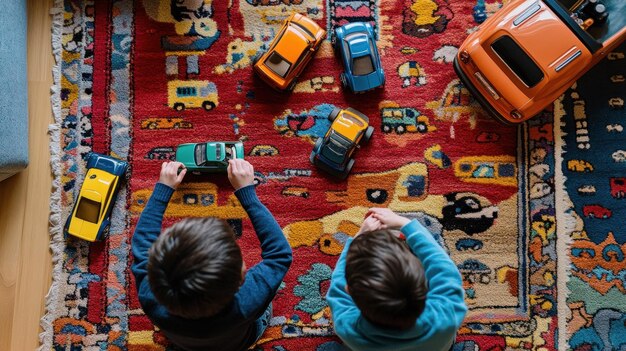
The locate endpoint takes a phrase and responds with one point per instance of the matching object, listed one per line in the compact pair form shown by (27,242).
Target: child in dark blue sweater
(191,279)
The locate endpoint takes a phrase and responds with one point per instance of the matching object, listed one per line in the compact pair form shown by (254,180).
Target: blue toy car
(357,47)
(90,217)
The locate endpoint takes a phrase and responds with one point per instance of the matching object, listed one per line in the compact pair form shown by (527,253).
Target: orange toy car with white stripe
(529,52)
(290,51)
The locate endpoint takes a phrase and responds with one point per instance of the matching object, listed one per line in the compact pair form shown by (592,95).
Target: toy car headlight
(464,56)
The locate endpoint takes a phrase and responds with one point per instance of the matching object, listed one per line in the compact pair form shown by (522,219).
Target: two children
(385,294)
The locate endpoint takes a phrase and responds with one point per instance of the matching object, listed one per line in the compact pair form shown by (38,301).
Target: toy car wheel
(292,85)
(179,106)
(208,105)
(386,128)
(348,169)
(368,134)
(318,143)
(333,115)
(342,78)
(400,129)
(127,176)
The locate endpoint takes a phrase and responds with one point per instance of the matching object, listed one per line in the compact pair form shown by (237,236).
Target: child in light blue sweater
(390,294)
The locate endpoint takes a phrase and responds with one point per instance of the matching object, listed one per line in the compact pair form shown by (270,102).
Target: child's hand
(169,174)
(240,173)
(370,224)
(388,218)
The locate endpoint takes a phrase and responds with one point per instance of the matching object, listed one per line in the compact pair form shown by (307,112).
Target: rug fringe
(57,244)
(565,225)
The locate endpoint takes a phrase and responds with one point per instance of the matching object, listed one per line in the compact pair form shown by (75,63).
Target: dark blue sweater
(234,327)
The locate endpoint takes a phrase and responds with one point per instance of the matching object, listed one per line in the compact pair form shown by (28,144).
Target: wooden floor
(25,262)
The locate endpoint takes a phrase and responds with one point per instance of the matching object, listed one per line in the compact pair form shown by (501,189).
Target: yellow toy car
(333,152)
(290,51)
(90,217)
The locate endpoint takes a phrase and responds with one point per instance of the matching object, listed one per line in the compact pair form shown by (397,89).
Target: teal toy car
(211,156)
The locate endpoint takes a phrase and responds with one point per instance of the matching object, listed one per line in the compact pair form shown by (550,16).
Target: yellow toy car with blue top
(333,152)
(90,217)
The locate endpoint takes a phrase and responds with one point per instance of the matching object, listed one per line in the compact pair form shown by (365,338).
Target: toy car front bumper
(491,111)
(328,169)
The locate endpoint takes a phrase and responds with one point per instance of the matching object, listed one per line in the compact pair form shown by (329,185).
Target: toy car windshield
(231,153)
(278,64)
(362,65)
(336,148)
(88,210)
(200,154)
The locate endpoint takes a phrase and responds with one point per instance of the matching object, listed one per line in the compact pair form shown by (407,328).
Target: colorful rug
(592,143)
(484,189)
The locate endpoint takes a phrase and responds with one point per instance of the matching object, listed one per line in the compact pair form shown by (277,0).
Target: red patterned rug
(120,63)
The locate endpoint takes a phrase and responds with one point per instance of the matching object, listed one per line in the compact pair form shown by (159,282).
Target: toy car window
(231,153)
(362,65)
(354,120)
(517,60)
(88,210)
(278,64)
(336,149)
(304,29)
(200,154)
(218,151)
(372,47)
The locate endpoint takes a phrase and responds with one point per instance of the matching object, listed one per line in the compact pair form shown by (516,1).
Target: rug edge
(565,225)
(57,244)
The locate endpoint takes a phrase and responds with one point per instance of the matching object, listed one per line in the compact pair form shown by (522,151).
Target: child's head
(385,280)
(195,267)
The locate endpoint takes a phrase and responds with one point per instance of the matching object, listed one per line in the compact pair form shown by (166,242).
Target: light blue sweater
(436,327)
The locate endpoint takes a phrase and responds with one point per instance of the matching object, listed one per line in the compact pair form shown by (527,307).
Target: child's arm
(263,280)
(149,225)
(445,287)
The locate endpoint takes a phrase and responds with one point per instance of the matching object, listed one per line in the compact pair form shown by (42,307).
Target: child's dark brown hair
(385,280)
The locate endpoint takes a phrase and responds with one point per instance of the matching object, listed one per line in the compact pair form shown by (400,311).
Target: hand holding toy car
(240,173)
(170,175)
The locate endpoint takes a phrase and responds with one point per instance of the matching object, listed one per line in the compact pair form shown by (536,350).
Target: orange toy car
(290,51)
(529,52)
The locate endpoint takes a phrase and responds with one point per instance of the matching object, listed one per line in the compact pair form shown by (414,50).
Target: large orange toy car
(290,51)
(529,52)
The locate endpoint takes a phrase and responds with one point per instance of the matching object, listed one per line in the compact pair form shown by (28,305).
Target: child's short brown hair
(385,280)
(195,267)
